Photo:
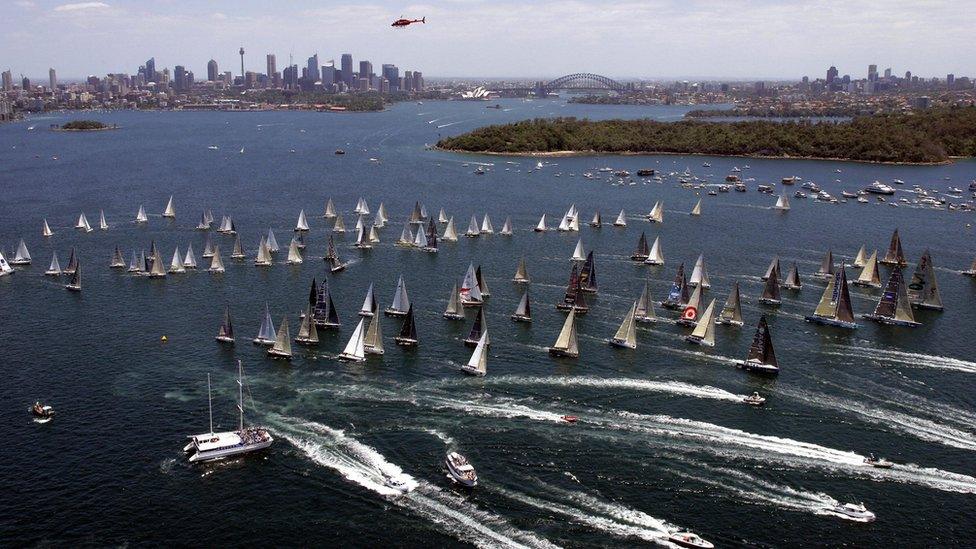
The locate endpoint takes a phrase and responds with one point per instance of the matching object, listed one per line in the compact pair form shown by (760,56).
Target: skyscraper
(328,76)
(151,70)
(347,68)
(832,74)
(392,74)
(272,65)
(872,73)
(52,79)
(365,69)
(212,73)
(8,80)
(950,80)
(312,67)
(418,81)
(179,79)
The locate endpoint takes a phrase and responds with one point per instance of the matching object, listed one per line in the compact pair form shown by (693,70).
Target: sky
(651,39)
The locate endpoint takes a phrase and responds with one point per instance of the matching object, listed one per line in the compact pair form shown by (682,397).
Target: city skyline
(471,38)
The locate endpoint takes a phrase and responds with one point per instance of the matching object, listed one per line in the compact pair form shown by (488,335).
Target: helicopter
(406,22)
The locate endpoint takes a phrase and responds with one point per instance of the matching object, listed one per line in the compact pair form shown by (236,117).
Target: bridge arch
(582,81)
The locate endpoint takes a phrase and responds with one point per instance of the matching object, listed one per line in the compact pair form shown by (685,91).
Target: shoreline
(563,154)
(107,128)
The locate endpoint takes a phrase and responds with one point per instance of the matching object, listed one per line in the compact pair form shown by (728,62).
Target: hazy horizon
(626,39)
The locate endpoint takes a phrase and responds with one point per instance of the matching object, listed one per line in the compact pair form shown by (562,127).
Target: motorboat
(460,470)
(754,400)
(688,539)
(42,412)
(852,511)
(570,419)
(395,483)
(848,194)
(880,463)
(800,194)
(879,188)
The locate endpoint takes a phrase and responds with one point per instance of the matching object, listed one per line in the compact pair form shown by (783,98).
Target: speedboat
(879,188)
(460,470)
(396,484)
(570,419)
(800,194)
(880,463)
(42,412)
(852,511)
(754,400)
(688,539)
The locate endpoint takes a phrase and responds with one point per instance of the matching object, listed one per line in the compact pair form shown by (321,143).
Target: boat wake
(915,360)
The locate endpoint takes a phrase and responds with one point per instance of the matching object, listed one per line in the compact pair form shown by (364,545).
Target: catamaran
(74,285)
(923,290)
(401,302)
(266,334)
(302,225)
(369,303)
(523,313)
(55,268)
(656,256)
(678,294)
(473,230)
(834,308)
(641,253)
(644,311)
(282,344)
(626,335)
(697,209)
(771,293)
(176,265)
(761,357)
(657,213)
(541,226)
(478,363)
(454,307)
(225,334)
(46,230)
(869,274)
(21,256)
(894,306)
(621,220)
(704,332)
(102,224)
(141,216)
(895,255)
(213,446)
(480,326)
(792,280)
(170,211)
(731,314)
(408,331)
(118,261)
(355,349)
(699,275)
(566,344)
(521,274)
(82,223)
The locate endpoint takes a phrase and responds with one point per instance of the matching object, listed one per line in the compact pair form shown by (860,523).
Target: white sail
(360,223)
(621,220)
(541,227)
(453,310)
(368,302)
(470,290)
(374,235)
(307,332)
(473,228)
(644,311)
(699,275)
(294,255)
(486,226)
(521,273)
(355,348)
(566,343)
(170,210)
(578,253)
(869,274)
(189,260)
(330,210)
(705,329)
(141,216)
(442,216)
(782,203)
(135,265)
(381,214)
(420,239)
(272,242)
(626,335)
(861,257)
(5,267)
(373,342)
(406,236)
(563,223)
(478,363)
(266,334)
(522,310)
(176,265)
(697,209)
(282,344)
(46,231)
(264,254)
(400,300)
(656,256)
(302,224)
(21,256)
(657,213)
(216,264)
(158,270)
(574,225)
(507,227)
(102,224)
(450,232)
(83,223)
(55,268)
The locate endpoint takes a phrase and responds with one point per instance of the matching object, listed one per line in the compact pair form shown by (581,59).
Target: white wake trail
(915,360)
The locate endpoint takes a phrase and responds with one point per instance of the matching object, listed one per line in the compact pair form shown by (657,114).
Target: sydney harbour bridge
(576,81)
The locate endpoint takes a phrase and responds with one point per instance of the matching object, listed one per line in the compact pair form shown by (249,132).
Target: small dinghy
(42,413)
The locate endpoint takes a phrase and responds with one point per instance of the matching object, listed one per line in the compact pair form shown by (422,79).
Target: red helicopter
(406,22)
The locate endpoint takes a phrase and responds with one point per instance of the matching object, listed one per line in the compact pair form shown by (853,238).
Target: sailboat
(332,257)
(656,256)
(208,247)
(692,309)
(761,358)
(450,232)
(772,269)
(141,216)
(176,265)
(478,363)
(588,275)
(971,272)
(621,220)
(189,260)
(330,210)
(523,313)
(324,312)
(238,251)
(782,203)
(74,285)
(792,280)
(339,226)
(827,266)
(696,211)
(5,268)
(213,446)
(566,344)
(82,223)
(574,298)
(626,335)
(597,221)
(381,217)
(355,349)
(157,270)
(507,227)
(135,265)
(374,235)
(294,255)
(272,242)
(308,334)
(204,224)
(431,237)
(282,343)
(55,268)
(454,307)
(861,258)
(420,239)
(264,254)
(541,226)
(471,295)
(225,334)
(486,226)
(482,283)
(302,225)
(46,230)
(699,275)
(21,256)
(834,308)
(644,311)
(704,332)
(771,293)
(894,306)
(266,334)
(170,211)
(657,213)
(641,253)
(731,314)
(895,255)
(118,261)
(578,254)
(406,237)
(473,230)
(477,329)
(373,342)
(369,303)
(521,274)
(216,263)
(102,224)
(678,294)
(401,302)
(869,274)
(361,207)
(923,290)
(442,217)
(417,215)
(408,331)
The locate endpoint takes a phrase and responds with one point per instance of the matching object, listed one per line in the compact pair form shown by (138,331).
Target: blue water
(662,442)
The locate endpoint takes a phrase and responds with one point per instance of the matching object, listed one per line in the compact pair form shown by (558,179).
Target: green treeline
(84,125)
(922,137)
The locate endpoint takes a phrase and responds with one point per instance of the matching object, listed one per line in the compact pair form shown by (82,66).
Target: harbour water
(663,441)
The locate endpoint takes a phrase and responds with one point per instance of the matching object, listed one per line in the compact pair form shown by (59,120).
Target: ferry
(879,188)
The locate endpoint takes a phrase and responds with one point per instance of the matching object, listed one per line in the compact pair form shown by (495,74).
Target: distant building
(289,78)
(212,71)
(832,74)
(25,83)
(418,81)
(346,65)
(272,64)
(392,75)
(179,79)
(872,73)
(922,102)
(328,77)
(52,78)
(950,80)
(151,70)
(365,69)
(8,80)
(312,68)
